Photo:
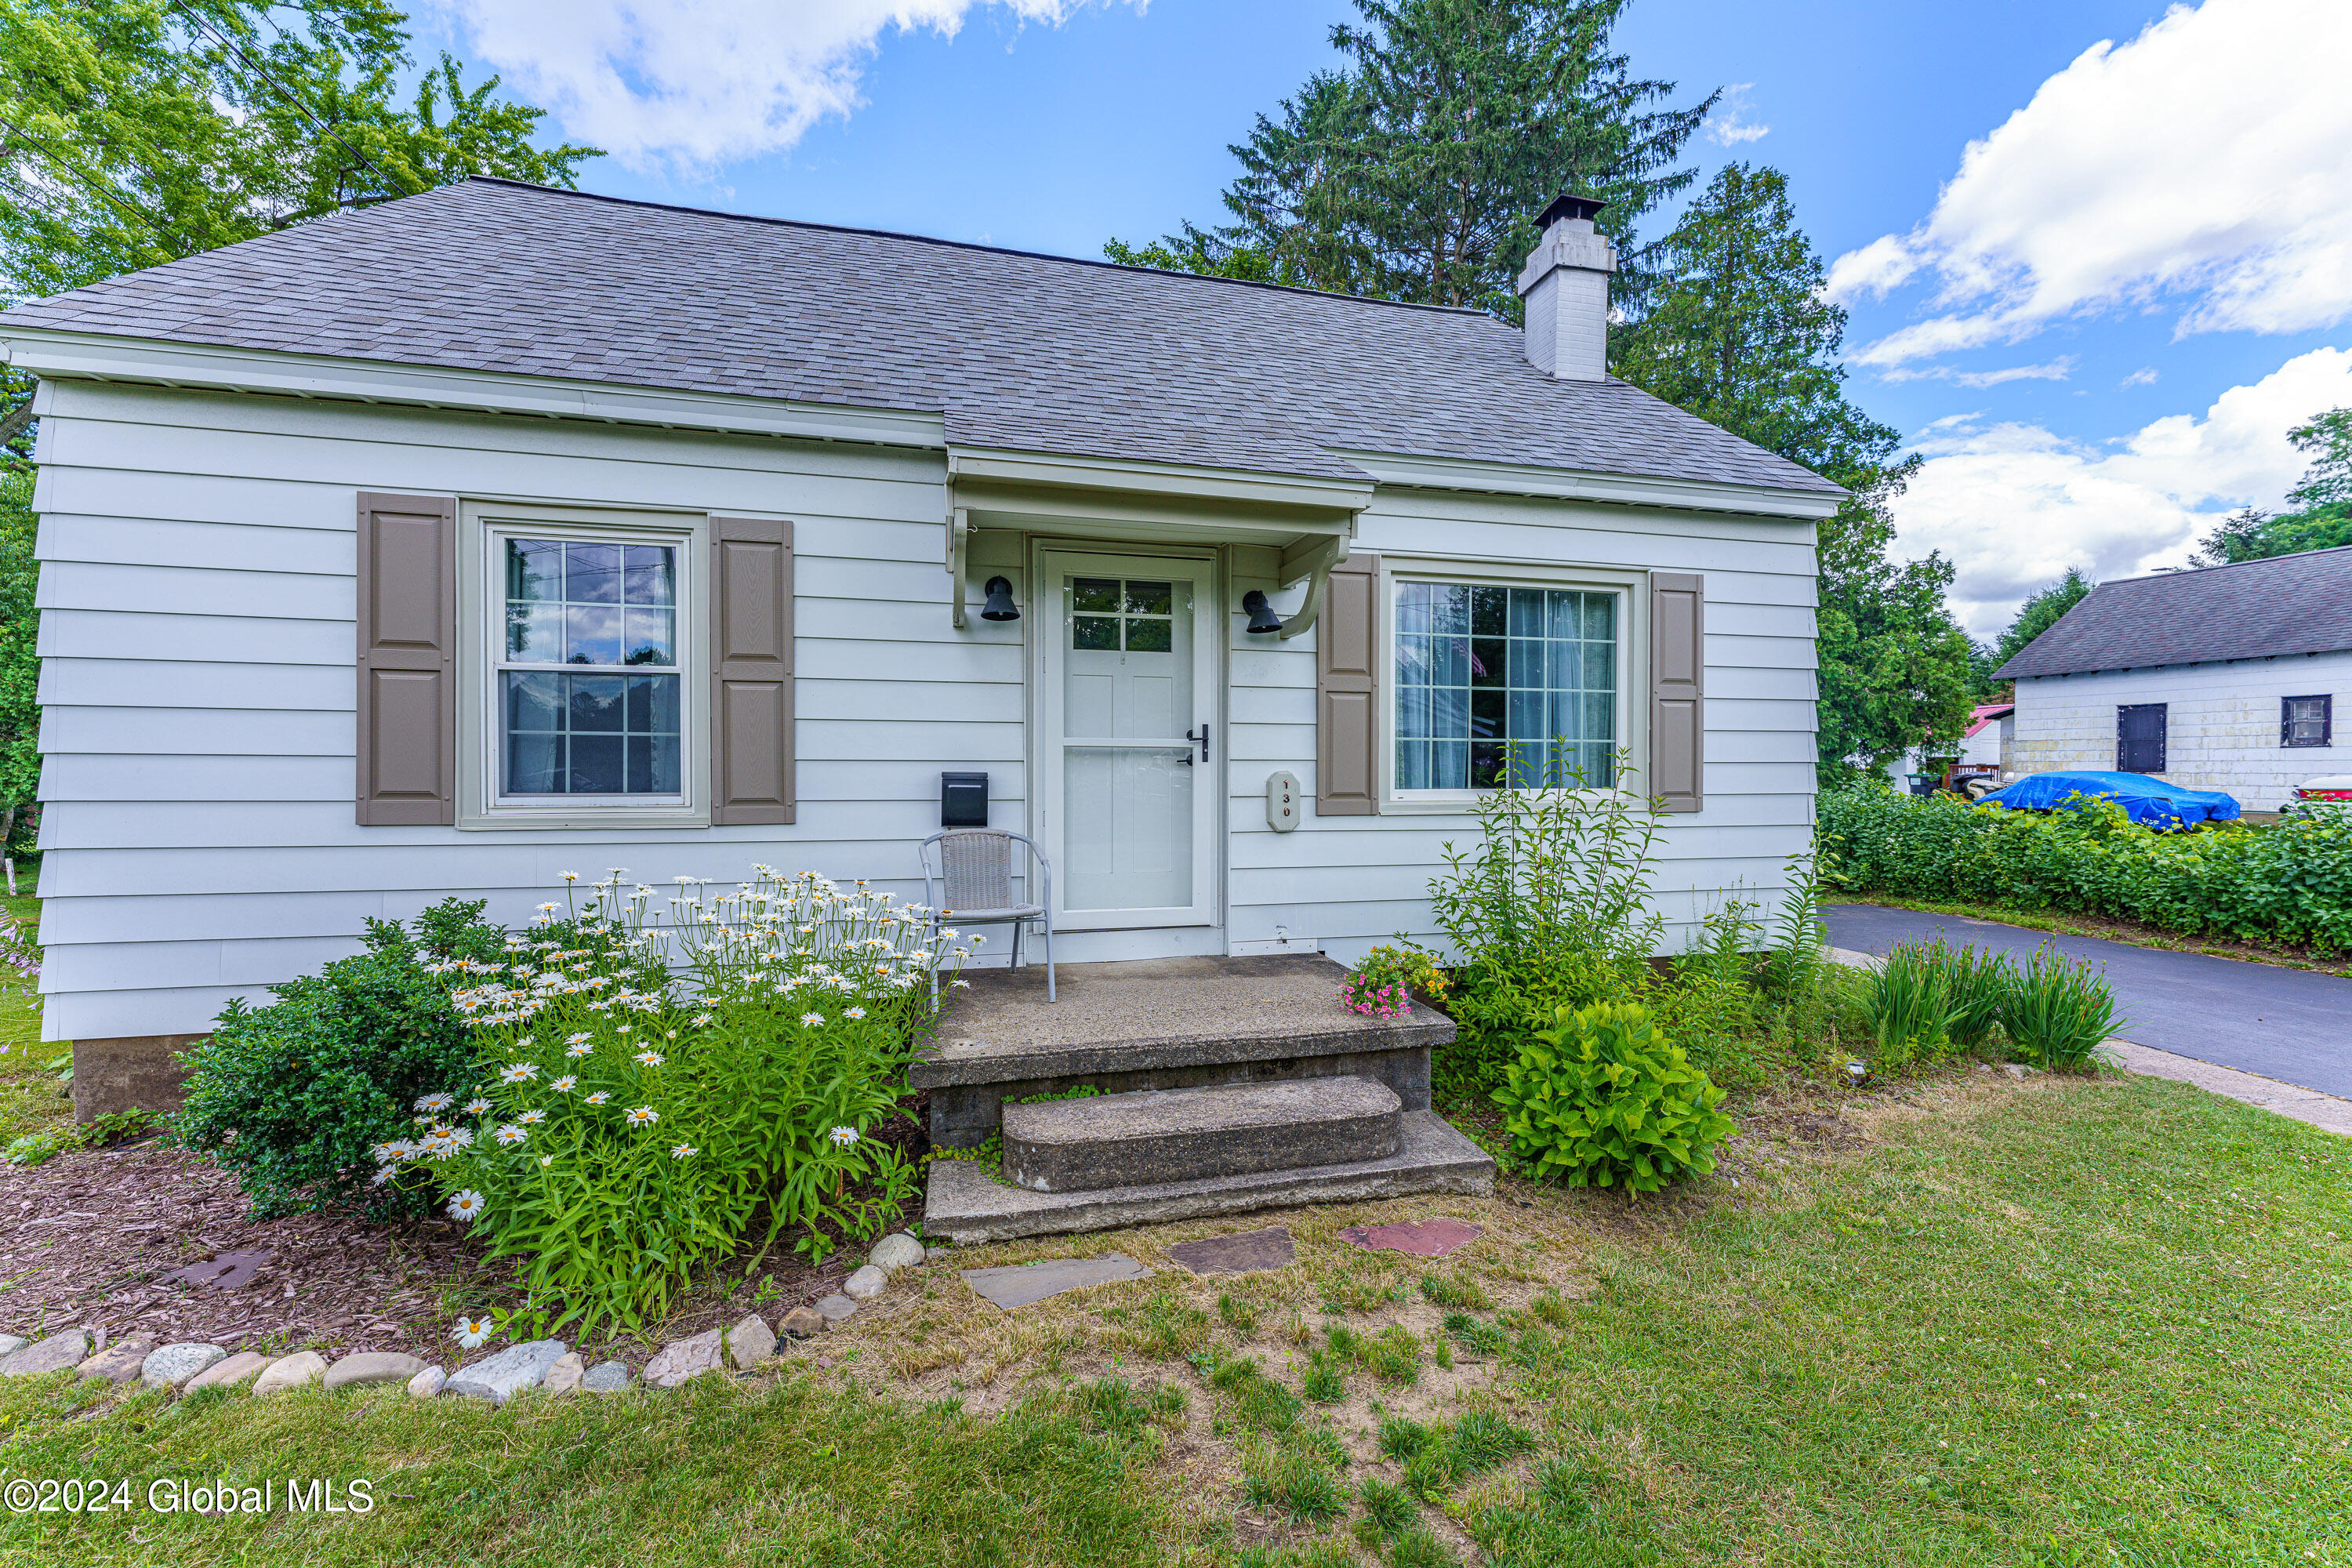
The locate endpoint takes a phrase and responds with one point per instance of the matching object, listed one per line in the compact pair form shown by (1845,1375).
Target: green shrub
(1601,1099)
(295,1098)
(2058,1010)
(1910,1007)
(618,1130)
(2289,882)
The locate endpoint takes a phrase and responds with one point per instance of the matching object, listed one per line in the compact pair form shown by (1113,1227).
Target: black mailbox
(964,800)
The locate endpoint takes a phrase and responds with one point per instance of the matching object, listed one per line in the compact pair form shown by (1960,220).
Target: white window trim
(1632,661)
(483,527)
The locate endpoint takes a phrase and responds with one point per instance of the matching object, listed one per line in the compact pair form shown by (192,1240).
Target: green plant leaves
(1602,1099)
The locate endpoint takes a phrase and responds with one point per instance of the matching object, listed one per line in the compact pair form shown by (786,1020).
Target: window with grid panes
(587,681)
(1491,678)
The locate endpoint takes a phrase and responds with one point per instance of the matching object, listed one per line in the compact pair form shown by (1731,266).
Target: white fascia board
(1391,469)
(84,356)
(1047,470)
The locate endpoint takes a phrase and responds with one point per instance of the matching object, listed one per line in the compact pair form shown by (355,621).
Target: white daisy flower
(532,1118)
(436,1101)
(647,1059)
(509,1135)
(845,1136)
(382,1174)
(811,1020)
(518,1072)
(681,1151)
(644,1116)
(478,1106)
(576,1052)
(471,1331)
(569,876)
(599,1098)
(854,1013)
(701,1020)
(580,1039)
(545,1161)
(565,1084)
(525,1043)
(468,1205)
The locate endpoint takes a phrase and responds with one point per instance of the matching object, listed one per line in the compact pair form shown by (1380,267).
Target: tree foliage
(1732,323)
(2322,518)
(20,666)
(2039,614)
(1416,170)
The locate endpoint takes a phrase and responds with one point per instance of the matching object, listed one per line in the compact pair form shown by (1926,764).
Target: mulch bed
(95,1238)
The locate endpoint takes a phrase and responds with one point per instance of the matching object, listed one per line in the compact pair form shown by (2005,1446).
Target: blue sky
(2093,287)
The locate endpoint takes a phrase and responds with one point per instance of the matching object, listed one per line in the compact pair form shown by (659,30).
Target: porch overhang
(1310,521)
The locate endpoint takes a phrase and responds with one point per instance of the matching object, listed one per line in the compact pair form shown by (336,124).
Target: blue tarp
(2152,803)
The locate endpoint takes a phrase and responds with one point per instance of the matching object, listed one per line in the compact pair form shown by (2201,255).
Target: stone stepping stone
(1417,1237)
(375,1366)
(1022,1284)
(290,1372)
(234,1373)
(1239,1253)
(119,1361)
(501,1377)
(228,1272)
(54,1354)
(175,1365)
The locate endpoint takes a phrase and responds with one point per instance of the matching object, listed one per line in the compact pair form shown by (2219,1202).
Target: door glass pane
(1127,838)
(1142,690)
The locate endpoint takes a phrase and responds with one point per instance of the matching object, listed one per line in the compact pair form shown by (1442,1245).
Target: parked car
(2327,790)
(2149,801)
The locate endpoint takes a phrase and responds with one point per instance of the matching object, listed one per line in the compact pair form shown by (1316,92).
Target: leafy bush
(295,1098)
(2288,882)
(1601,1099)
(1910,1007)
(619,1130)
(2058,1010)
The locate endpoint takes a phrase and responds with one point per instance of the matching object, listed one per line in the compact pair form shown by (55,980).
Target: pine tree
(1416,171)
(2323,501)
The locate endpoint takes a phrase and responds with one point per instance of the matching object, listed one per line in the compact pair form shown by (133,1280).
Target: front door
(1127,756)
(2139,738)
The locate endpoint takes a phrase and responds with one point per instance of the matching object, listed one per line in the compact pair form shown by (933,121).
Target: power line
(256,67)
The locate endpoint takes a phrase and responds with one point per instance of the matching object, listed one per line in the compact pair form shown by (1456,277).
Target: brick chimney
(1566,287)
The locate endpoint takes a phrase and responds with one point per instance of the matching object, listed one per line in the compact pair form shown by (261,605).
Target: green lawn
(2053,1323)
(29,1097)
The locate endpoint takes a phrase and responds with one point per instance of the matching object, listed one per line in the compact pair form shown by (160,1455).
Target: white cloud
(2054,370)
(1725,127)
(690,84)
(2144,376)
(2013,506)
(2208,160)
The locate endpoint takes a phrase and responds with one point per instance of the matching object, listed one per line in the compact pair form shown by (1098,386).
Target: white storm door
(1128,761)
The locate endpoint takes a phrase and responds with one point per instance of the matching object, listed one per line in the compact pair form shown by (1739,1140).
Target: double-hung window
(2306,720)
(589,701)
(1502,684)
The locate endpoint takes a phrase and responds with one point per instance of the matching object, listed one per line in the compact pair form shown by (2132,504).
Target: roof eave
(1399,470)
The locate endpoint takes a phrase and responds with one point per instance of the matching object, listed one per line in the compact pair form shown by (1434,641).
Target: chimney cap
(1569,207)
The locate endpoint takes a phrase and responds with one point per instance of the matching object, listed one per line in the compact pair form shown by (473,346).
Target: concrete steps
(966,1203)
(1157,1137)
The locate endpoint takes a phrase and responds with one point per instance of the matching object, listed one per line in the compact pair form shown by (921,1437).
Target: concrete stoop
(1224,1085)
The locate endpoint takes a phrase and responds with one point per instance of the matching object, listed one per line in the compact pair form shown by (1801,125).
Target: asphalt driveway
(2291,1024)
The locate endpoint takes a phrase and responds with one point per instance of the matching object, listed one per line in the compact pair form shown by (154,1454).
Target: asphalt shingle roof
(1031,352)
(2255,609)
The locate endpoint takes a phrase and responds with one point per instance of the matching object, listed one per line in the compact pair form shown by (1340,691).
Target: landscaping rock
(428,1383)
(675,1363)
(866,1284)
(501,1377)
(1018,1285)
(175,1365)
(2017,1069)
(749,1343)
(11,1344)
(119,1361)
(234,1373)
(801,1322)
(895,1252)
(375,1366)
(54,1354)
(836,1310)
(605,1377)
(290,1372)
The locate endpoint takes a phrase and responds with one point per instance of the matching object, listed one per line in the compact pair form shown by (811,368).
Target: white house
(446,546)
(2224,679)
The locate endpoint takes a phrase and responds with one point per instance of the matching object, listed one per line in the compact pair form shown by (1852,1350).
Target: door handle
(1203,738)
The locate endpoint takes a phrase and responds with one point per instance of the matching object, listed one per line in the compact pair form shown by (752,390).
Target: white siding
(198,597)
(196,594)
(2221,722)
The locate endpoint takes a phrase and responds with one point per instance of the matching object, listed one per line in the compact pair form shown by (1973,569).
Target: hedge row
(2291,882)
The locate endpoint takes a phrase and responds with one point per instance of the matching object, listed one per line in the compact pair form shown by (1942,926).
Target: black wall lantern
(1261,614)
(999,606)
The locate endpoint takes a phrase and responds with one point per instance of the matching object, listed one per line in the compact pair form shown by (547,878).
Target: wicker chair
(974,886)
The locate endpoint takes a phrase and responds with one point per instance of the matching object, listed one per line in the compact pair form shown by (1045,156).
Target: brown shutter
(408,653)
(751,671)
(1679,691)
(1348,691)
